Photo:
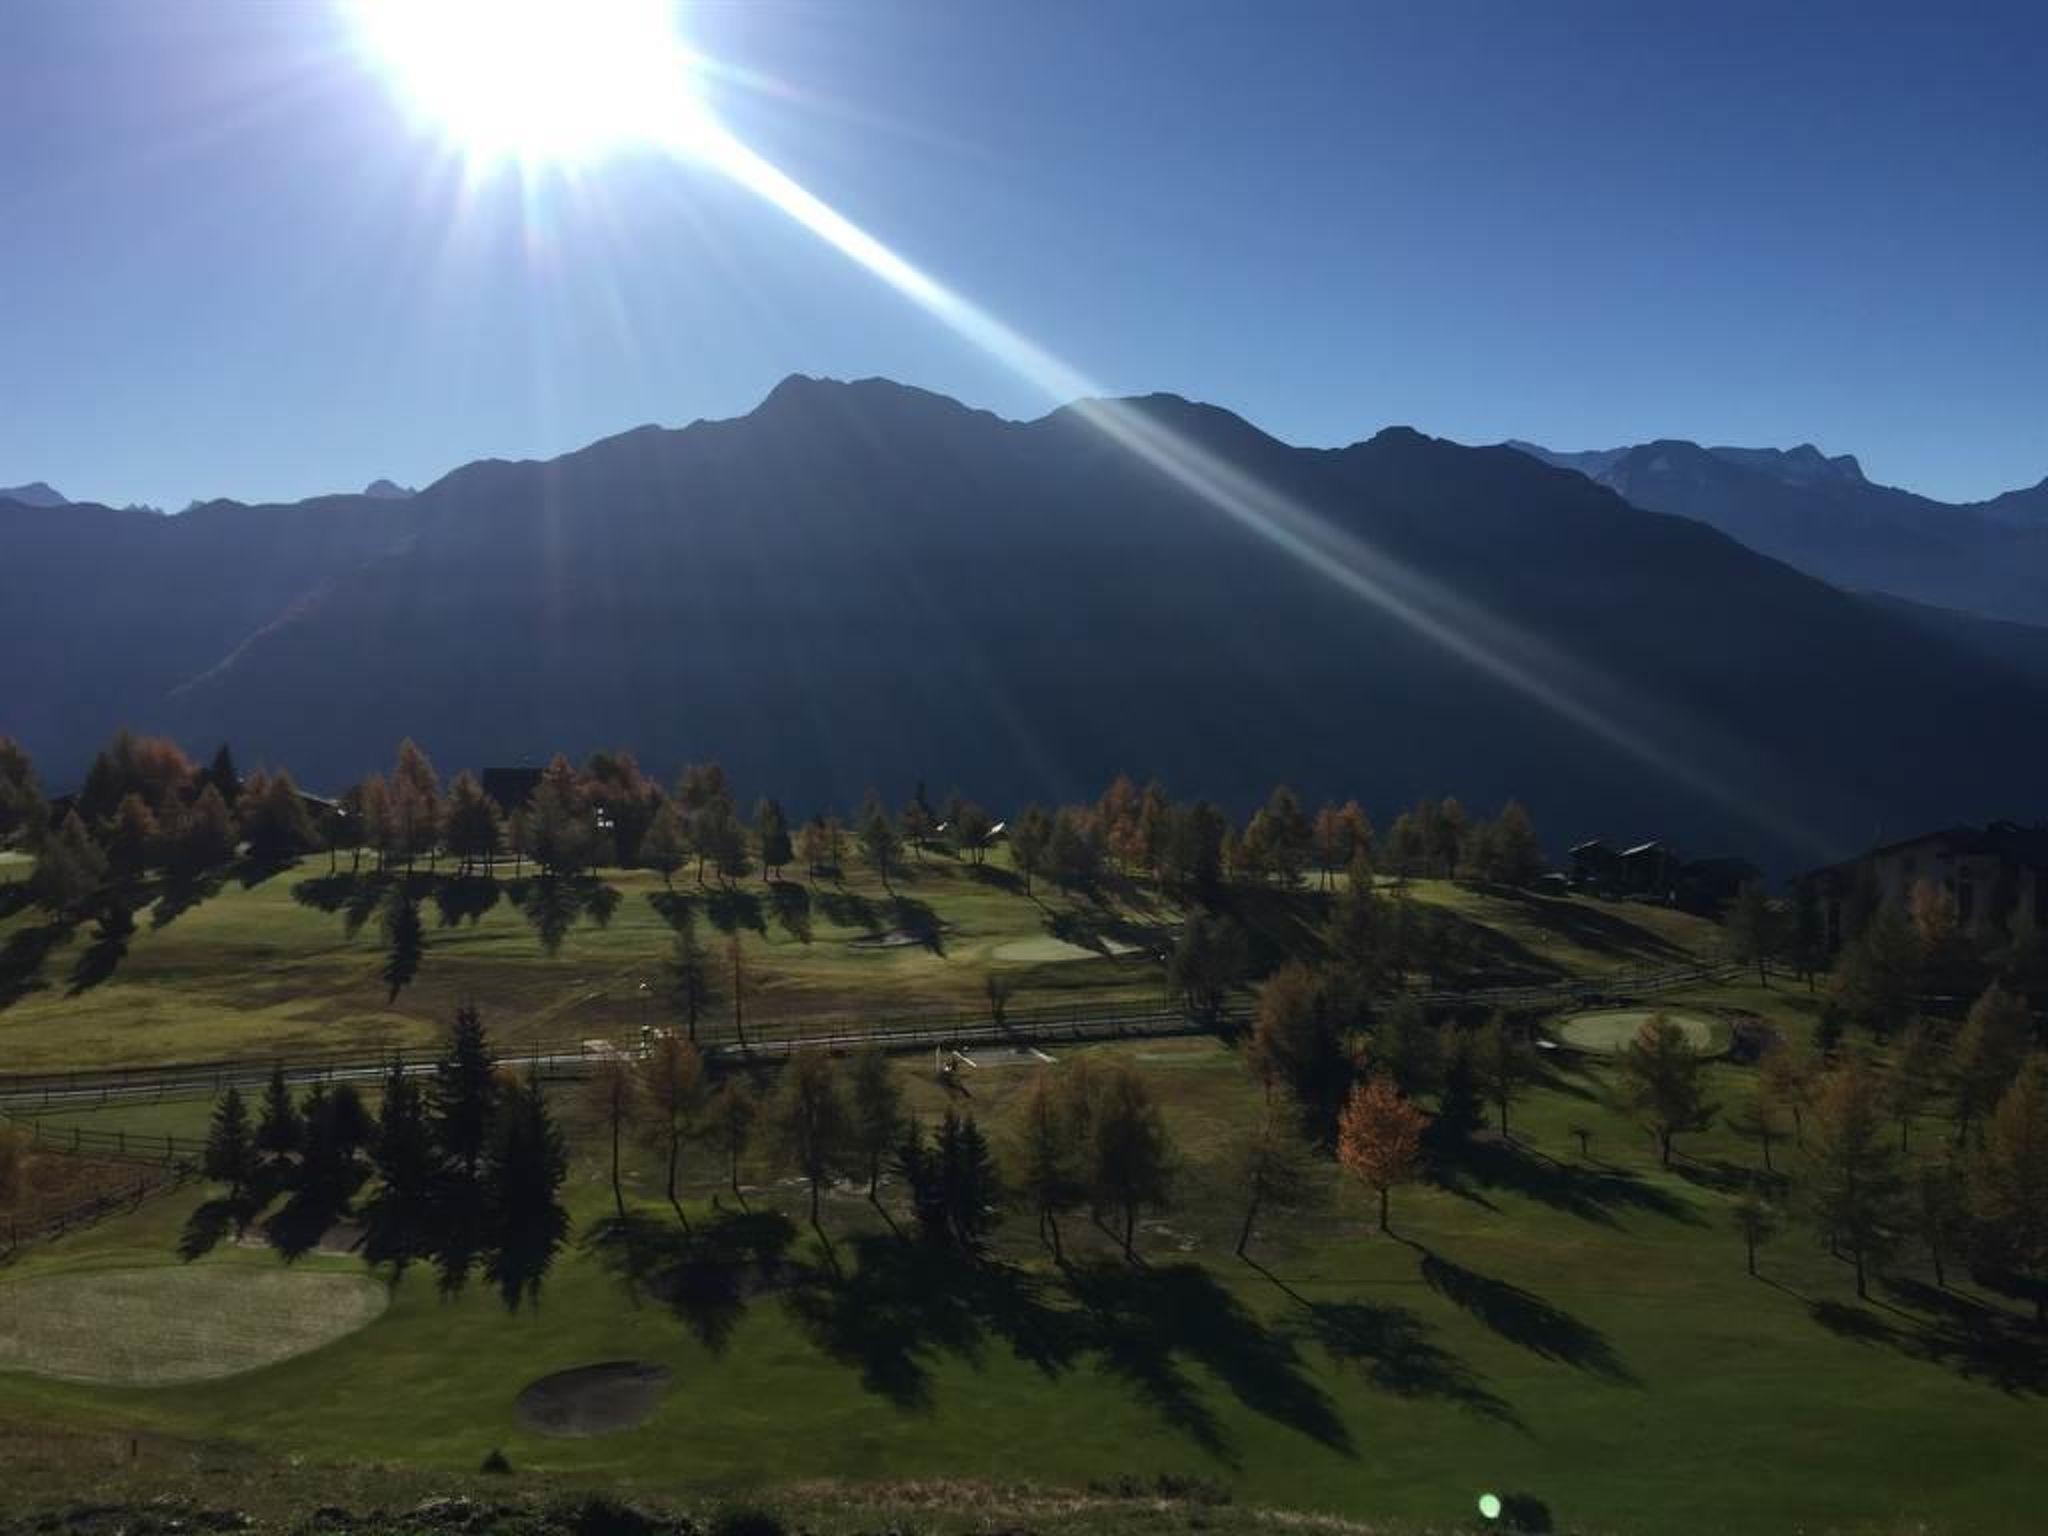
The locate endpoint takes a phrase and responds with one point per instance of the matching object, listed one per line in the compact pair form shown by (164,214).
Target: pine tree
(470,822)
(280,1133)
(463,1097)
(1298,1046)
(205,838)
(69,870)
(415,804)
(399,1218)
(1379,1139)
(972,1189)
(1518,852)
(133,842)
(919,823)
(1208,960)
(1751,929)
(560,830)
(524,1222)
(230,1156)
(1877,977)
(1028,840)
(1404,1047)
(1858,1194)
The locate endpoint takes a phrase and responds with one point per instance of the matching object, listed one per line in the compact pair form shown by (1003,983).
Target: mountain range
(866,584)
(1820,514)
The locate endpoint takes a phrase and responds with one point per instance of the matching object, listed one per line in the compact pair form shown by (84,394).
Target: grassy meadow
(1576,1329)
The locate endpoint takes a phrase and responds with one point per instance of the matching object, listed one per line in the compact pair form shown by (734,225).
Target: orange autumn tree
(1379,1137)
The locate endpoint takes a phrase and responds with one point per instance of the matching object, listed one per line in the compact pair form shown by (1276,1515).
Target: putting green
(161,1325)
(1610,1029)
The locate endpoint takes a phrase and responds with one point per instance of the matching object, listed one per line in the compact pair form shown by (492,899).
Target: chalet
(1998,875)
(1653,871)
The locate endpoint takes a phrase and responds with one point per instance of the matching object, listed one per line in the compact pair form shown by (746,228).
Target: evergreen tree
(399,1222)
(971,826)
(1806,935)
(220,774)
(972,1189)
(280,1133)
(205,837)
(1403,1047)
(811,846)
(919,823)
(69,871)
(1358,931)
(463,1097)
(1518,852)
(1858,1194)
(525,1224)
(561,830)
(230,1155)
(415,805)
(719,839)
(21,798)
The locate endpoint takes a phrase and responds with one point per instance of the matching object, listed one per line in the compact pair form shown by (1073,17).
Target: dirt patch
(338,1241)
(590,1400)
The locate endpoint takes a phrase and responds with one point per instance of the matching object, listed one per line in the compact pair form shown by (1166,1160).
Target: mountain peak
(387,490)
(37,493)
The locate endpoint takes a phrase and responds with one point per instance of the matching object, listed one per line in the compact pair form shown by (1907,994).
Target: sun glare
(540,82)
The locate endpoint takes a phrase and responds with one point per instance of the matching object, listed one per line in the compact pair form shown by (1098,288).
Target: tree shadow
(792,903)
(705,1274)
(22,957)
(212,1223)
(465,899)
(179,894)
(250,871)
(553,904)
(1592,1194)
(1980,1343)
(849,909)
(109,947)
(356,896)
(990,874)
(917,919)
(1394,1349)
(1719,1174)
(1589,927)
(1526,1319)
(732,909)
(1145,1321)
(673,907)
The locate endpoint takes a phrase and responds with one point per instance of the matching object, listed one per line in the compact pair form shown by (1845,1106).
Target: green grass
(273,967)
(1609,1030)
(1577,1329)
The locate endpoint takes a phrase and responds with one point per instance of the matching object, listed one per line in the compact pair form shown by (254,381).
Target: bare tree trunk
(1383,1210)
(1251,1214)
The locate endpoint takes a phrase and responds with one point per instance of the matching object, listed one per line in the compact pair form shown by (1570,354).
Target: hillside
(866,584)
(1820,514)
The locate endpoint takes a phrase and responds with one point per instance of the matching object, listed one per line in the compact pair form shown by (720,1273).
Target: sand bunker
(589,1400)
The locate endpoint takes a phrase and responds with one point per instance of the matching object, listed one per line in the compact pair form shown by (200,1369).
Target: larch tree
(1941,1212)
(1379,1139)
(612,1094)
(809,1121)
(771,833)
(687,974)
(1916,1063)
(470,824)
(1276,1169)
(676,1102)
(1030,837)
(1756,1219)
(1132,1162)
(877,1113)
(665,845)
(878,841)
(1751,928)
(1503,1063)
(415,803)
(811,846)
(1877,975)
(133,841)
(1857,1191)
(2009,1182)
(1988,1053)
(1664,1082)
(1298,1046)
(1207,961)
(1051,1163)
(1785,1080)
(734,1111)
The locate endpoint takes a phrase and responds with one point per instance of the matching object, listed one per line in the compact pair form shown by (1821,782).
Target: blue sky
(230,266)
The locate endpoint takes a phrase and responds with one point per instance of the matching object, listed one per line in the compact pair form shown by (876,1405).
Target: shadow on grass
(705,1274)
(356,896)
(792,903)
(1980,1343)
(553,904)
(1394,1350)
(181,893)
(22,957)
(465,899)
(731,909)
(989,874)
(917,919)
(1589,927)
(1526,1319)
(109,947)
(1597,1195)
(849,909)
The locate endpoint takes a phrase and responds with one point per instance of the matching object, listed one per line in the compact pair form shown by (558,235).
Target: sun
(539,82)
